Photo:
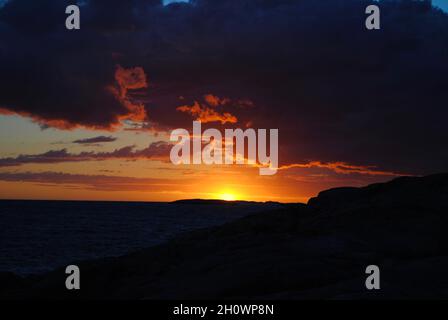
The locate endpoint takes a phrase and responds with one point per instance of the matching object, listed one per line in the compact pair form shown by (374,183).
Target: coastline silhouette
(317,250)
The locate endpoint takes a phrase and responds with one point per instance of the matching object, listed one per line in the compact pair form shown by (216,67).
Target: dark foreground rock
(319,250)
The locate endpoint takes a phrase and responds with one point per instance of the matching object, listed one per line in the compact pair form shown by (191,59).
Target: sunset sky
(87,114)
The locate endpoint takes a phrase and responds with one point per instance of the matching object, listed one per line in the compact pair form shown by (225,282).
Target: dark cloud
(60,78)
(157,151)
(94,182)
(94,140)
(337,92)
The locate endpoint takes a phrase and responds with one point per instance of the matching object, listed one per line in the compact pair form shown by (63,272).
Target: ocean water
(38,236)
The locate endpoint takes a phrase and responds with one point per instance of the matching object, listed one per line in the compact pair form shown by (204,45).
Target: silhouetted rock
(319,250)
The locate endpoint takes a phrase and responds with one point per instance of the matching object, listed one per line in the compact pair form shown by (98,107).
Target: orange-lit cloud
(342,168)
(6,112)
(205,113)
(130,79)
(125,80)
(44,123)
(215,101)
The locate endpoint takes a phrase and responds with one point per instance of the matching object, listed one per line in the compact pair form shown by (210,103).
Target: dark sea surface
(38,236)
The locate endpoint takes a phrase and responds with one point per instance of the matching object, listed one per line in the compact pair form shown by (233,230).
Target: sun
(227,197)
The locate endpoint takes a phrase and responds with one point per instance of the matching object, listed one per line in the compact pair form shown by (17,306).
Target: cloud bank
(336,92)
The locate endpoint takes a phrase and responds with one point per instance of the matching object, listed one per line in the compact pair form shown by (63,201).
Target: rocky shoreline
(314,251)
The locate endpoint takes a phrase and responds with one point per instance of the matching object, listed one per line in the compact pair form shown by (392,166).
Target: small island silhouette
(220,202)
(302,251)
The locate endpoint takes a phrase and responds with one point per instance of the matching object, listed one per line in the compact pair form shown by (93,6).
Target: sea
(39,236)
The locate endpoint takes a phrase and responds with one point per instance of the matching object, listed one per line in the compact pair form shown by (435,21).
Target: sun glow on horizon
(227,197)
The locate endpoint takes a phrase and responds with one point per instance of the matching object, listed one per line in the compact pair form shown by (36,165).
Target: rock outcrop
(318,250)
